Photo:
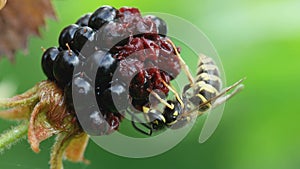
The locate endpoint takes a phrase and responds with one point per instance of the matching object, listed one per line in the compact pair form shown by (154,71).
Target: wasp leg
(133,118)
(183,64)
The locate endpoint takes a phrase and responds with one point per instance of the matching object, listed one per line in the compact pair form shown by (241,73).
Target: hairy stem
(13,135)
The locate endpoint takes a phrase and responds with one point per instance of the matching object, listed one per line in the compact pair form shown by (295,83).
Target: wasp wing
(215,115)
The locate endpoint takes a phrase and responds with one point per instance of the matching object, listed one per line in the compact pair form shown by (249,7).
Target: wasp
(201,94)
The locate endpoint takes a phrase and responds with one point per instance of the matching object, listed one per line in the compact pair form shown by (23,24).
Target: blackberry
(157,51)
(148,61)
(150,79)
(64,66)
(66,36)
(120,57)
(128,68)
(48,60)
(103,64)
(101,16)
(83,20)
(116,93)
(128,24)
(129,14)
(84,37)
(112,34)
(95,123)
(68,96)
(145,26)
(113,121)
(82,89)
(129,10)
(161,25)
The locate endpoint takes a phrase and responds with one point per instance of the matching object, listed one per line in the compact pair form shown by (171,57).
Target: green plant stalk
(13,135)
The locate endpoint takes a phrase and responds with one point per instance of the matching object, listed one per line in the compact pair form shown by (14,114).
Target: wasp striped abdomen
(208,72)
(208,82)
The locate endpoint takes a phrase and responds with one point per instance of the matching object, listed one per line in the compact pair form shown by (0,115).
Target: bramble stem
(13,135)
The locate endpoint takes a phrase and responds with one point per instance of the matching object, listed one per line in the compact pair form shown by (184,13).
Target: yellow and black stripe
(208,82)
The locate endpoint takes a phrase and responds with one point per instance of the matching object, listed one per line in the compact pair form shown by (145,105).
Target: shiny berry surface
(66,36)
(48,59)
(116,93)
(83,37)
(160,24)
(93,122)
(83,20)
(83,91)
(64,66)
(106,66)
(101,16)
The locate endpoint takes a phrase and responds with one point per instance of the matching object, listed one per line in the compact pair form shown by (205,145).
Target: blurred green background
(259,39)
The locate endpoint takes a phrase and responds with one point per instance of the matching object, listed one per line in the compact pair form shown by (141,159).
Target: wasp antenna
(183,64)
(234,85)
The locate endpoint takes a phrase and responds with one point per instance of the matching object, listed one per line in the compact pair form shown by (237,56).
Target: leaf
(16,113)
(76,148)
(39,129)
(19,20)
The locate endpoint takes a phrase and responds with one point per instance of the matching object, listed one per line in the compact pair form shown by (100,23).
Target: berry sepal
(43,113)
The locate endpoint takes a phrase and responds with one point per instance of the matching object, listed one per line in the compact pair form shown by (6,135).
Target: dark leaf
(19,20)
